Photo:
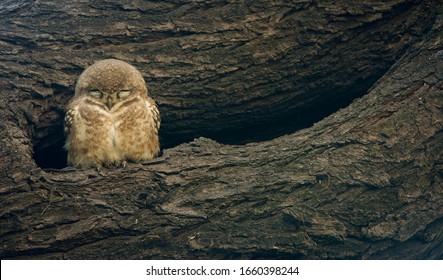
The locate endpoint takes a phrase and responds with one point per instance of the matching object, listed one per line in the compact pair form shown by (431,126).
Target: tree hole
(49,151)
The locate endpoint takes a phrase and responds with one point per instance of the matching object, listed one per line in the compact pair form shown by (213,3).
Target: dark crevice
(52,156)
(279,124)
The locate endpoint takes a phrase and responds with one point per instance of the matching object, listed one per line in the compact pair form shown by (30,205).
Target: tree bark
(365,182)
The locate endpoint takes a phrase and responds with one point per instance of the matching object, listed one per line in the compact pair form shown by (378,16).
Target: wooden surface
(365,182)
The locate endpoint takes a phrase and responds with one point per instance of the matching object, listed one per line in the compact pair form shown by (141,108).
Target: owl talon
(119,164)
(99,167)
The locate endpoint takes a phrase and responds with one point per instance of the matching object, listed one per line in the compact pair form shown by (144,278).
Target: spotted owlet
(111,119)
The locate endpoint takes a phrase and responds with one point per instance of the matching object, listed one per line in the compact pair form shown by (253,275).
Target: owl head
(110,82)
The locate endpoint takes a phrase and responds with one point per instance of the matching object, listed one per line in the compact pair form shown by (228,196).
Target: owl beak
(110,102)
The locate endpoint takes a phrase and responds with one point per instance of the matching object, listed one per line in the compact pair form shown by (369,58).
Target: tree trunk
(364,182)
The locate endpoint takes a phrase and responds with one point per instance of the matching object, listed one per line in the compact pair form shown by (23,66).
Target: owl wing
(152,107)
(69,118)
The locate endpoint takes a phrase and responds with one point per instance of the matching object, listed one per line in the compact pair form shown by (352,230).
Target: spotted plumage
(111,119)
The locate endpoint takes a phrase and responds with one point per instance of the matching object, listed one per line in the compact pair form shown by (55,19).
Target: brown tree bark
(365,182)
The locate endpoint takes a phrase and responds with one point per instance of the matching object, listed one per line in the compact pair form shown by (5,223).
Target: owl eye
(124,93)
(95,93)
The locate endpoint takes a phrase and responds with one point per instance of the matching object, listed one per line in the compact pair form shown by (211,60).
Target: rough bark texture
(365,182)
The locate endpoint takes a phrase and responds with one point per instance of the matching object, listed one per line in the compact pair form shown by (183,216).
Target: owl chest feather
(125,126)
(102,135)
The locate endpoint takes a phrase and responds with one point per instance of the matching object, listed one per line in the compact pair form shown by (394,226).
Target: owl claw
(99,167)
(118,164)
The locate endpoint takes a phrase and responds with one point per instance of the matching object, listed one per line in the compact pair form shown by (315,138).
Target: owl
(111,119)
